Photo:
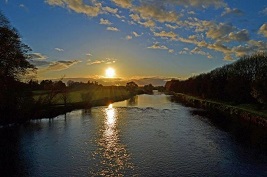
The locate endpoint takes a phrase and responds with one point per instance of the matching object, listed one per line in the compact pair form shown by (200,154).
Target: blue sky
(138,38)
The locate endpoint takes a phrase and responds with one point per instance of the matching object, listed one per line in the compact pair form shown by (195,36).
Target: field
(82,95)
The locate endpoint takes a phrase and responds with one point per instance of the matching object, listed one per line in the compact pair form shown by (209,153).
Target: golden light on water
(113,154)
(110,73)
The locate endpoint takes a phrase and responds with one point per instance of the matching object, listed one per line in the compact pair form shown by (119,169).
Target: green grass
(250,108)
(74,96)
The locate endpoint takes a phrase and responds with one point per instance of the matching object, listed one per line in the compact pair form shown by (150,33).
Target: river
(148,135)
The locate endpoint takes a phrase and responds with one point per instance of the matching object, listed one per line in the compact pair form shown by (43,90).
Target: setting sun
(110,73)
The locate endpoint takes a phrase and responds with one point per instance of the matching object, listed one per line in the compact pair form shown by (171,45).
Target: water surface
(148,135)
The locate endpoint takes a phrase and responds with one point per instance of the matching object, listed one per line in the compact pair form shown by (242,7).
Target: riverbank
(234,112)
(59,109)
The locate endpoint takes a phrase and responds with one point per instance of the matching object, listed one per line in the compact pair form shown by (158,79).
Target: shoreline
(230,111)
(60,109)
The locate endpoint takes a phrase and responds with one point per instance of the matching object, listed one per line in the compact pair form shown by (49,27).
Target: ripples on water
(145,136)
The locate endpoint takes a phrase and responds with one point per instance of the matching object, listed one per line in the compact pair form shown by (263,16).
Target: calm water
(148,135)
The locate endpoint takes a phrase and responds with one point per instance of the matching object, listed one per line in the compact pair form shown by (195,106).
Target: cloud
(123,3)
(264,11)
(197,50)
(110,10)
(148,24)
(104,61)
(171,26)
(39,63)
(229,11)
(89,54)
(37,56)
(170,50)
(59,49)
(199,4)
(104,22)
(240,36)
(128,37)
(61,65)
(170,34)
(158,46)
(135,17)
(112,29)
(78,6)
(219,31)
(151,11)
(263,30)
(136,34)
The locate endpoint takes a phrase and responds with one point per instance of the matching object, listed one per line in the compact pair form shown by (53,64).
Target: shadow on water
(133,101)
(12,162)
(244,133)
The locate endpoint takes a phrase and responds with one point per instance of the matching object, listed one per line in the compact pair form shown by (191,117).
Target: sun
(110,73)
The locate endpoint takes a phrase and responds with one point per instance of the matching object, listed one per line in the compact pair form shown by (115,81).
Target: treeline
(244,81)
(59,85)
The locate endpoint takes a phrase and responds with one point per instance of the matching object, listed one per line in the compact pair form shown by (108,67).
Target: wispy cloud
(158,46)
(136,34)
(104,22)
(123,3)
(128,37)
(263,30)
(110,10)
(101,61)
(78,6)
(229,11)
(59,49)
(37,56)
(113,29)
(264,11)
(61,65)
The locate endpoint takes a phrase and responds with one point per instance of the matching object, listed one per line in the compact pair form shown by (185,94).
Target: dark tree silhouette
(244,81)
(13,65)
(132,87)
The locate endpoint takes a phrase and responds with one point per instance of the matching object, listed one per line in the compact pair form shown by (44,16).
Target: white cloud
(240,36)
(128,37)
(110,10)
(59,49)
(229,11)
(171,26)
(78,6)
(219,31)
(170,50)
(37,56)
(263,30)
(264,11)
(158,46)
(103,61)
(113,29)
(104,22)
(199,3)
(123,3)
(150,11)
(61,65)
(170,34)
(136,34)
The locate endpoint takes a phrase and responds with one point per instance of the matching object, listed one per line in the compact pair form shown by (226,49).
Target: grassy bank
(76,99)
(247,113)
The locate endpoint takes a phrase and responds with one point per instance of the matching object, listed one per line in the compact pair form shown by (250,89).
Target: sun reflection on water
(112,154)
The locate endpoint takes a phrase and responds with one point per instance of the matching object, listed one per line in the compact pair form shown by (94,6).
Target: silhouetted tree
(13,65)
(132,87)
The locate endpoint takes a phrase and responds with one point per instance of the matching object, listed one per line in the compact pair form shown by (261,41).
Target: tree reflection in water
(112,156)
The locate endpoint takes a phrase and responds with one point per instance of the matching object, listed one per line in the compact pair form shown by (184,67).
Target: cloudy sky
(138,38)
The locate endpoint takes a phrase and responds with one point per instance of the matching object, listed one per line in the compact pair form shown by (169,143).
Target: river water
(148,135)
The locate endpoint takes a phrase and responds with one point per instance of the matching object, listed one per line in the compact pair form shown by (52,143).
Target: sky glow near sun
(110,73)
(148,39)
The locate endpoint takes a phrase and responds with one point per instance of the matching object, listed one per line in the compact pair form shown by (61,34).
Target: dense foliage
(244,81)
(15,100)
